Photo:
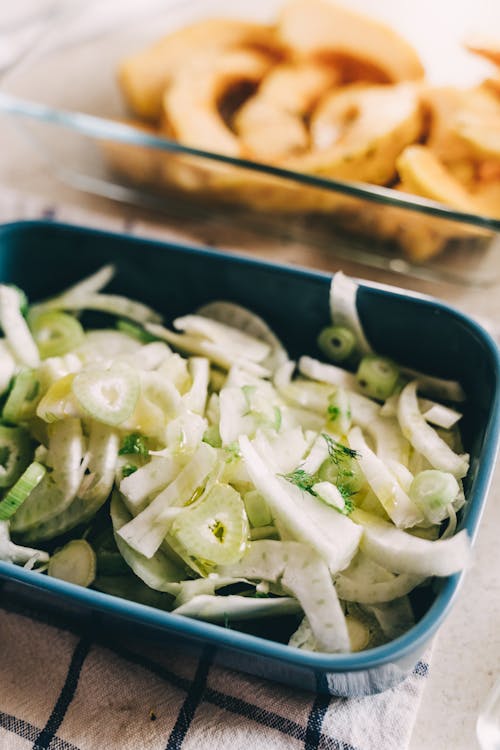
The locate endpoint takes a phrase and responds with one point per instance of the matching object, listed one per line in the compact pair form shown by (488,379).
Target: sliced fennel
(224,484)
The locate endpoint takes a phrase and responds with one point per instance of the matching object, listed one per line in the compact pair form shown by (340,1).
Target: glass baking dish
(63,95)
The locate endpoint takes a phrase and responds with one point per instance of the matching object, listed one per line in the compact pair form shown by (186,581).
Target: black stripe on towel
(30,732)
(66,695)
(192,701)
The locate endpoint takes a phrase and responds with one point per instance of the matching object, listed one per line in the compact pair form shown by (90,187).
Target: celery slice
(56,333)
(109,396)
(74,563)
(22,489)
(215,529)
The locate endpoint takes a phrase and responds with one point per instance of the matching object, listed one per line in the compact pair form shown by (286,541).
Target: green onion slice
(109,396)
(433,491)
(216,529)
(56,333)
(337,343)
(377,377)
(24,486)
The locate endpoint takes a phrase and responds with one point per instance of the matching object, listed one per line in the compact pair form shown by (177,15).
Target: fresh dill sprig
(128,469)
(301,479)
(337,451)
(333,412)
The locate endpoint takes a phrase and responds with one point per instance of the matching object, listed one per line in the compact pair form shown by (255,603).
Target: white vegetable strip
(110,303)
(395,501)
(146,531)
(153,477)
(102,451)
(316,370)
(307,577)
(91,284)
(400,552)
(439,388)
(16,329)
(282,452)
(157,572)
(344,310)
(375,592)
(441,416)
(7,366)
(148,357)
(195,399)
(437,414)
(424,438)
(234,607)
(385,431)
(304,517)
(265,560)
(235,341)
(204,348)
(247,321)
(395,618)
(316,456)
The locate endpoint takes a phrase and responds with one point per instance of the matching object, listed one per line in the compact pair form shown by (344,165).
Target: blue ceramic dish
(42,258)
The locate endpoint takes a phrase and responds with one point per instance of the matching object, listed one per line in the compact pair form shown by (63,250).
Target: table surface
(466,654)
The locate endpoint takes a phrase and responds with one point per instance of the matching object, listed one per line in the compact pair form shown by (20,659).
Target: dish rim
(397,649)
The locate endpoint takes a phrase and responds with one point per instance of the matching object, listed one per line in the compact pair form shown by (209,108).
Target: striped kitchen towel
(66,685)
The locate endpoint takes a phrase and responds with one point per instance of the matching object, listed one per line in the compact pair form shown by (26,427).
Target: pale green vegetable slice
(109,303)
(235,607)
(308,579)
(400,552)
(395,617)
(377,377)
(216,528)
(55,333)
(132,588)
(264,559)
(339,412)
(74,563)
(337,343)
(146,531)
(257,509)
(433,491)
(394,499)
(157,572)
(424,438)
(107,395)
(16,329)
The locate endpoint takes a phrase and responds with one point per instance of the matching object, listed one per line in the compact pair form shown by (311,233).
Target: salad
(196,468)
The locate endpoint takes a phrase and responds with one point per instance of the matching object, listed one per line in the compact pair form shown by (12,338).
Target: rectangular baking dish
(418,332)
(64,97)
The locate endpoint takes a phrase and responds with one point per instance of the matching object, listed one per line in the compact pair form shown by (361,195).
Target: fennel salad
(196,468)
